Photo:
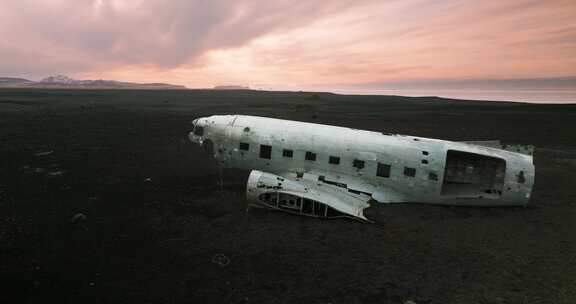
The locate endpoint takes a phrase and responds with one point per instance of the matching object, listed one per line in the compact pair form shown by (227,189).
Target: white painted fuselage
(388,168)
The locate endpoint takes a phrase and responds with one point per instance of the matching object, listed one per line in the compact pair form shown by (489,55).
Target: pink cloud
(288,44)
(163,33)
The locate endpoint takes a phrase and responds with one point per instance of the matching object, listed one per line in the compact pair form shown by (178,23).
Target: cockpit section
(210,134)
(198,135)
(198,130)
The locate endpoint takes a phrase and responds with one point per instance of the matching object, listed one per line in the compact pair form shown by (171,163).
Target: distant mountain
(12,80)
(231,87)
(65,82)
(59,79)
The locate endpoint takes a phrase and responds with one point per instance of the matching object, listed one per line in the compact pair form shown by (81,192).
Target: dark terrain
(104,200)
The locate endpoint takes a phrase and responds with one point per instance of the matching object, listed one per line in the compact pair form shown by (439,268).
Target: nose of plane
(193,136)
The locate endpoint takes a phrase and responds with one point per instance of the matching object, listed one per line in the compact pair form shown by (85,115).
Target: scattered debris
(44,153)
(221,260)
(148,180)
(55,173)
(39,170)
(79,217)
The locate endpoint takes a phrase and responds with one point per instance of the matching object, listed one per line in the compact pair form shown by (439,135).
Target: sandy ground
(103,200)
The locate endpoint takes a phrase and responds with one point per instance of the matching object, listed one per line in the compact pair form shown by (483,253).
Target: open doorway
(471,175)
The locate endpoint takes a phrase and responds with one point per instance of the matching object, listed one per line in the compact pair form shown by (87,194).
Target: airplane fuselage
(388,168)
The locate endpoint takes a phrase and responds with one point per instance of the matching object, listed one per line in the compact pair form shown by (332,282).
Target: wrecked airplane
(329,171)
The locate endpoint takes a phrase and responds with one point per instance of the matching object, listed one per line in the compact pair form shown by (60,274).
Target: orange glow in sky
(295,45)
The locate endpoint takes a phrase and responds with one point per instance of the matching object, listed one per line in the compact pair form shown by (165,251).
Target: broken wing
(304,197)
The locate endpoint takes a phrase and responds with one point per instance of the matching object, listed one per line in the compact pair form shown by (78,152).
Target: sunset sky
(360,46)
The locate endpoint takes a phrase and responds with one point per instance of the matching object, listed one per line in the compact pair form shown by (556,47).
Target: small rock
(221,260)
(44,153)
(79,217)
(56,173)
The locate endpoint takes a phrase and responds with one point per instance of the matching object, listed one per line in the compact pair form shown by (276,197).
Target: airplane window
(335,160)
(425,161)
(244,146)
(310,155)
(198,130)
(358,163)
(307,206)
(425,152)
(383,170)
(287,153)
(319,209)
(411,172)
(520,177)
(265,151)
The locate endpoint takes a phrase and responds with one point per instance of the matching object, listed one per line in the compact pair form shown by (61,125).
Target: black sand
(118,207)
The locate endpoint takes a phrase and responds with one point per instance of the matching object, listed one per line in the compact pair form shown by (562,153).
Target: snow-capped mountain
(61,79)
(65,82)
(13,80)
